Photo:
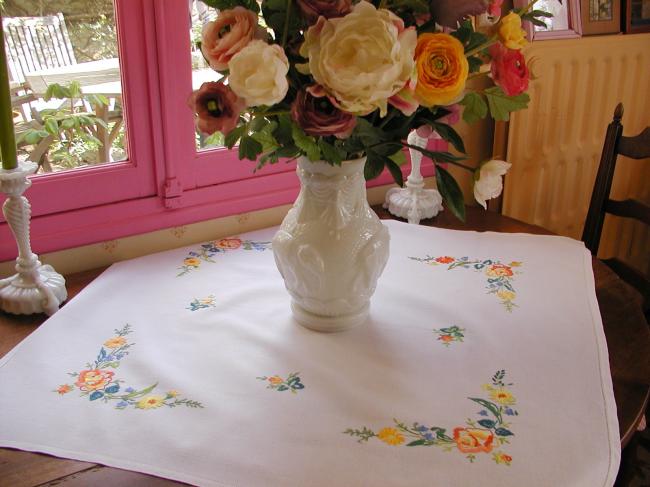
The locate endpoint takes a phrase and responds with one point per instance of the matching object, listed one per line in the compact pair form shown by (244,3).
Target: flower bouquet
(334,80)
(339,85)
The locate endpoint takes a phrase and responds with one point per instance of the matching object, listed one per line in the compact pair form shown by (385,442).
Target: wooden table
(626,330)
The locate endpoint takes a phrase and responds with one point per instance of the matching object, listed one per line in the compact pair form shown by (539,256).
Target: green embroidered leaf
(487,405)
(501,104)
(450,192)
(417,443)
(475,107)
(503,432)
(487,423)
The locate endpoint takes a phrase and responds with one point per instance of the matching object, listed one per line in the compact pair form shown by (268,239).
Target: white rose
(362,59)
(258,74)
(489,184)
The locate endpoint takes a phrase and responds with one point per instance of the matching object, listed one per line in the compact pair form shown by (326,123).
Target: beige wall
(555,145)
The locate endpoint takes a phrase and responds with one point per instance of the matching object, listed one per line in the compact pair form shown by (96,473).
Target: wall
(555,145)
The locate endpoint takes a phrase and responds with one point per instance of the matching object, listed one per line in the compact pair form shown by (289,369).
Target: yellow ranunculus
(391,436)
(510,32)
(442,69)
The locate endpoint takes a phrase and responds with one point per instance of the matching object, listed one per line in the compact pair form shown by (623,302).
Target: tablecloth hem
(112,462)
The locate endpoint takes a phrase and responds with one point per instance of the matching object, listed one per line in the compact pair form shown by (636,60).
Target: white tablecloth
(483,363)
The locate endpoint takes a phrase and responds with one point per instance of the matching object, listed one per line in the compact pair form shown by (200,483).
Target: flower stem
(485,45)
(285,30)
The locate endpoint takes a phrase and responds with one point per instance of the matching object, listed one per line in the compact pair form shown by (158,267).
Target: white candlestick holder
(36,288)
(414,203)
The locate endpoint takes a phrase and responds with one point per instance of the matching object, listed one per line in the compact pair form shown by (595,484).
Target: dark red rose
(509,70)
(312,9)
(217,108)
(317,116)
(449,12)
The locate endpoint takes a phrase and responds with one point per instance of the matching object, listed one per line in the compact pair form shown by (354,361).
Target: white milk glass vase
(331,247)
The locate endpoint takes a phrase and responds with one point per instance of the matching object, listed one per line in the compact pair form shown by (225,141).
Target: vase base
(328,324)
(41,292)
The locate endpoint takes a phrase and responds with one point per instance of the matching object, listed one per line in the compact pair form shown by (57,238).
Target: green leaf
(450,192)
(448,133)
(395,171)
(216,139)
(75,89)
(330,152)
(475,64)
(306,143)
(475,107)
(32,137)
(399,157)
(265,137)
(417,443)
(374,165)
(503,432)
(249,148)
(51,126)
(67,123)
(501,104)
(487,423)
(283,132)
(233,136)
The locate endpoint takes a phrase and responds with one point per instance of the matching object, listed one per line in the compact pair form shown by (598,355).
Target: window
(165,178)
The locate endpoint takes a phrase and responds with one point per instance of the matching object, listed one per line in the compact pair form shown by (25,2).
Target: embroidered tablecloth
(483,363)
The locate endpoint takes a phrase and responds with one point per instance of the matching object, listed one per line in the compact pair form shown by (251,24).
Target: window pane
(201,71)
(560,19)
(65,77)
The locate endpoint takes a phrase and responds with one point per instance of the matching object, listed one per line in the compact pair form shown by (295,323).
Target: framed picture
(600,16)
(637,16)
(564,24)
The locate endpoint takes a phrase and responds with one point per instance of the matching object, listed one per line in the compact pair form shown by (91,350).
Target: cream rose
(489,184)
(258,74)
(362,59)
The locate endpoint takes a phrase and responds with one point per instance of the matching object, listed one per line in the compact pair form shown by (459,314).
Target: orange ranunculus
(442,69)
(473,440)
(498,270)
(510,32)
(91,380)
(228,243)
(445,260)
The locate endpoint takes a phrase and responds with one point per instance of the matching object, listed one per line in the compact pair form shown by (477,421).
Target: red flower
(312,9)
(445,260)
(316,115)
(494,9)
(509,70)
(217,107)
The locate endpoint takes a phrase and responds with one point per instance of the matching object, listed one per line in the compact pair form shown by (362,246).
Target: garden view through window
(66,91)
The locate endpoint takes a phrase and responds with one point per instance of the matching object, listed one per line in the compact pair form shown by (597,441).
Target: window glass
(66,87)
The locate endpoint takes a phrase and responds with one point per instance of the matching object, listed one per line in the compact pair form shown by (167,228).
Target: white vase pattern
(331,247)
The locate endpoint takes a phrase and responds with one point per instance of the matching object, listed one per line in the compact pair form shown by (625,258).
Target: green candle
(7,137)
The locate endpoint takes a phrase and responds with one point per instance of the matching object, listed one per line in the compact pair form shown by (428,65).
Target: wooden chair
(637,147)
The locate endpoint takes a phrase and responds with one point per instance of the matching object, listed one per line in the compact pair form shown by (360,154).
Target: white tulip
(258,74)
(489,183)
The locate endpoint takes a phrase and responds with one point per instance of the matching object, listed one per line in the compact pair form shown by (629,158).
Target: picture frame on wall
(565,23)
(637,16)
(600,16)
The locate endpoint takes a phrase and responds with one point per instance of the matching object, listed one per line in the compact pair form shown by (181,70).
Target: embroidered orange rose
(115,342)
(91,380)
(498,270)
(228,243)
(510,32)
(442,69)
(473,440)
(445,260)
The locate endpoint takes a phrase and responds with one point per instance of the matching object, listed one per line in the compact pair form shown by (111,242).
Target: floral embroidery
(98,382)
(483,435)
(499,276)
(208,250)
(277,383)
(450,334)
(202,303)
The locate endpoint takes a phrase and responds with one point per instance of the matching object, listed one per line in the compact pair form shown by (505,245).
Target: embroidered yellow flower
(506,295)
(150,402)
(511,33)
(172,393)
(192,262)
(514,263)
(502,396)
(501,457)
(209,300)
(391,436)
(115,342)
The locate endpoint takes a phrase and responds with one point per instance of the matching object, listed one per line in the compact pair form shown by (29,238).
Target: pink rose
(494,9)
(217,107)
(316,115)
(509,70)
(312,9)
(229,34)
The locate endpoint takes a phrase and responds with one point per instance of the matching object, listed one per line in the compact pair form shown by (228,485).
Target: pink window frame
(165,182)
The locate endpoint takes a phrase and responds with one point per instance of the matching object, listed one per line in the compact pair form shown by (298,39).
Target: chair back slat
(35,44)
(635,147)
